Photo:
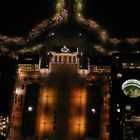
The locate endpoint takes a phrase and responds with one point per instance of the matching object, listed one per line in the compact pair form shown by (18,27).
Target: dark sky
(18,17)
(119,17)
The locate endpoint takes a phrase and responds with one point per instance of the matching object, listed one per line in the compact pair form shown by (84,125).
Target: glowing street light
(30,109)
(93,110)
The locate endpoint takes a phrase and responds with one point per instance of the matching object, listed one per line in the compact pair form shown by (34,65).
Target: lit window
(119,75)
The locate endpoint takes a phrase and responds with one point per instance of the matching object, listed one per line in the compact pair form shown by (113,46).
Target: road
(17,109)
(105,112)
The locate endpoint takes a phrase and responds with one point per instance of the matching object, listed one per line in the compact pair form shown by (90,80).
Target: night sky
(119,17)
(19,17)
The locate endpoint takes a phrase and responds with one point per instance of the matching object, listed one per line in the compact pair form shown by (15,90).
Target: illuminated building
(125,97)
(42,52)
(34,69)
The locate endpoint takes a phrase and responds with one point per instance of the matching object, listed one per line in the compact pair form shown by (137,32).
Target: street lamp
(93,110)
(30,109)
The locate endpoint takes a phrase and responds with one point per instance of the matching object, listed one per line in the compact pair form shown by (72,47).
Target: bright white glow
(119,75)
(93,110)
(118,110)
(17,90)
(64,49)
(4,126)
(52,34)
(30,109)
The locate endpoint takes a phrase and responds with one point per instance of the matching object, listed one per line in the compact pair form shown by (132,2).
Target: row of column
(64,58)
